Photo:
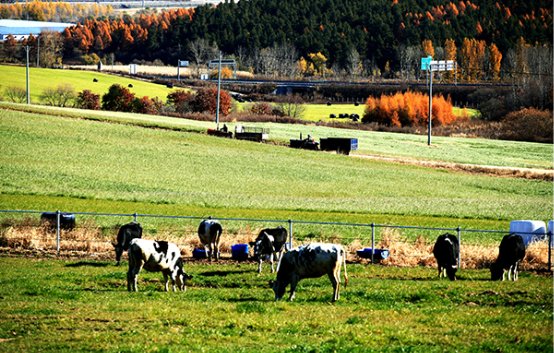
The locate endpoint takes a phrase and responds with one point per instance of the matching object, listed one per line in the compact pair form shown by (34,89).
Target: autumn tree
(87,100)
(428,49)
(450,53)
(205,101)
(495,59)
(118,98)
(180,100)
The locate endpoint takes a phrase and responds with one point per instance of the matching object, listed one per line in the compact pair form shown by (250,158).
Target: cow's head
(279,288)
(496,272)
(451,272)
(181,276)
(256,246)
(118,252)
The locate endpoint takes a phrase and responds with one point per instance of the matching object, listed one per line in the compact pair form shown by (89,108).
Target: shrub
(180,101)
(407,109)
(118,99)
(262,109)
(16,94)
(292,106)
(528,125)
(60,96)
(146,105)
(206,101)
(87,100)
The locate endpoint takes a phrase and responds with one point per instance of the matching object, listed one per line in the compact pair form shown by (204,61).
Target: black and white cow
(310,261)
(511,252)
(270,245)
(156,256)
(209,232)
(446,251)
(126,233)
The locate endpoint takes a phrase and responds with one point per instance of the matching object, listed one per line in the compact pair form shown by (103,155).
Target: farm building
(21,29)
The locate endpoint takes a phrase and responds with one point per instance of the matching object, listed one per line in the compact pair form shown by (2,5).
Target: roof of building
(22,27)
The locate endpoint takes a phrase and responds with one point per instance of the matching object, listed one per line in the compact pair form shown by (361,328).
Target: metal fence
(369,228)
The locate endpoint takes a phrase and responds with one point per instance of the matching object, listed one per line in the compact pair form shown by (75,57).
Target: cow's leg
(335,282)
(132,277)
(272,263)
(166,281)
(260,260)
(516,272)
(293,284)
(216,251)
(208,248)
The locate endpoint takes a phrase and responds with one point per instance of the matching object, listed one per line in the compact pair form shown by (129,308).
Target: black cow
(126,233)
(310,261)
(156,256)
(446,251)
(209,232)
(269,244)
(511,252)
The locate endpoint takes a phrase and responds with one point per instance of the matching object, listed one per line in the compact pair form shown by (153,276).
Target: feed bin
(378,254)
(239,252)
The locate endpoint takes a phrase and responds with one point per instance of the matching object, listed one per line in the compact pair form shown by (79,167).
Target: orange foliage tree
(407,109)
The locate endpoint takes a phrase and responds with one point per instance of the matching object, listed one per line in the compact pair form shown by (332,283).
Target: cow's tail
(344,265)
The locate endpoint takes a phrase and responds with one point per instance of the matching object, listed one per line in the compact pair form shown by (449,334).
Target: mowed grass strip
(475,151)
(41,79)
(81,305)
(47,156)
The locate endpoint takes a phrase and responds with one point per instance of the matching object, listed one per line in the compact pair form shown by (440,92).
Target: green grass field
(41,79)
(50,162)
(56,305)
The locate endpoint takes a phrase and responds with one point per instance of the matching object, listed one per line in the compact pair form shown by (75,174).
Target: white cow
(310,261)
(209,232)
(156,256)
(270,245)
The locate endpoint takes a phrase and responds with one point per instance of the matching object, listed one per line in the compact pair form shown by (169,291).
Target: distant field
(79,305)
(40,79)
(65,162)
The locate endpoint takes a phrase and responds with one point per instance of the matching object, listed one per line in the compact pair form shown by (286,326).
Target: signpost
(430,65)
(181,63)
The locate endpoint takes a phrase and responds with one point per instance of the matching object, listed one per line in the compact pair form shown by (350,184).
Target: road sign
(425,63)
(442,65)
(183,63)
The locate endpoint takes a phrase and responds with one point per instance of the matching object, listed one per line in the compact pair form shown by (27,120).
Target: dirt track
(526,173)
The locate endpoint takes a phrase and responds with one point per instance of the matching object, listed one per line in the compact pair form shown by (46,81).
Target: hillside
(41,79)
(52,162)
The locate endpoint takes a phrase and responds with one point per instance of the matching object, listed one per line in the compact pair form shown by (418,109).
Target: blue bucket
(199,254)
(239,252)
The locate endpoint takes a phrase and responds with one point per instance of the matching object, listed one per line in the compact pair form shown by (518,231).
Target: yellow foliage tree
(428,48)
(495,57)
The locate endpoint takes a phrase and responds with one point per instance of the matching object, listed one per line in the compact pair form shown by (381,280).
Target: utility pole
(218,91)
(27,76)
(38,50)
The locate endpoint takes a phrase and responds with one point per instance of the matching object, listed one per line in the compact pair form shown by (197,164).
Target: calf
(269,244)
(126,233)
(446,251)
(310,261)
(209,232)
(511,252)
(156,256)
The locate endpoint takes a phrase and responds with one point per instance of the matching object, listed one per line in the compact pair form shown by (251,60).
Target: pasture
(78,305)
(51,162)
(41,79)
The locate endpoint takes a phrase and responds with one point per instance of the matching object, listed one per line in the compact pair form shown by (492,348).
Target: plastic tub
(379,254)
(530,231)
(239,252)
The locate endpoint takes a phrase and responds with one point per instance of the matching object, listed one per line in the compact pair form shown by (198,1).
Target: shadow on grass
(87,264)
(225,273)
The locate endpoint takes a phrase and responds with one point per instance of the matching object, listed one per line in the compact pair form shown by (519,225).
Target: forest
(354,37)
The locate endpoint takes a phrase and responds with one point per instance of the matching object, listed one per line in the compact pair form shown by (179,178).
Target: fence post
(372,241)
(58,213)
(459,232)
(549,249)
(135,215)
(290,234)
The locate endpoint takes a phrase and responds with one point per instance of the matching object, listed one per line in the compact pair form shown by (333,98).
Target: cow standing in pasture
(310,261)
(126,233)
(209,232)
(156,256)
(270,245)
(511,252)
(446,251)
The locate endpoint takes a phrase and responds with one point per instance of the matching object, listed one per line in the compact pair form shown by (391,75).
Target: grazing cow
(156,256)
(446,251)
(209,233)
(126,233)
(310,261)
(511,252)
(269,244)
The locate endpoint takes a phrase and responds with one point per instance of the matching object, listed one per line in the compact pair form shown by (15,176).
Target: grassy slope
(51,162)
(40,79)
(74,306)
